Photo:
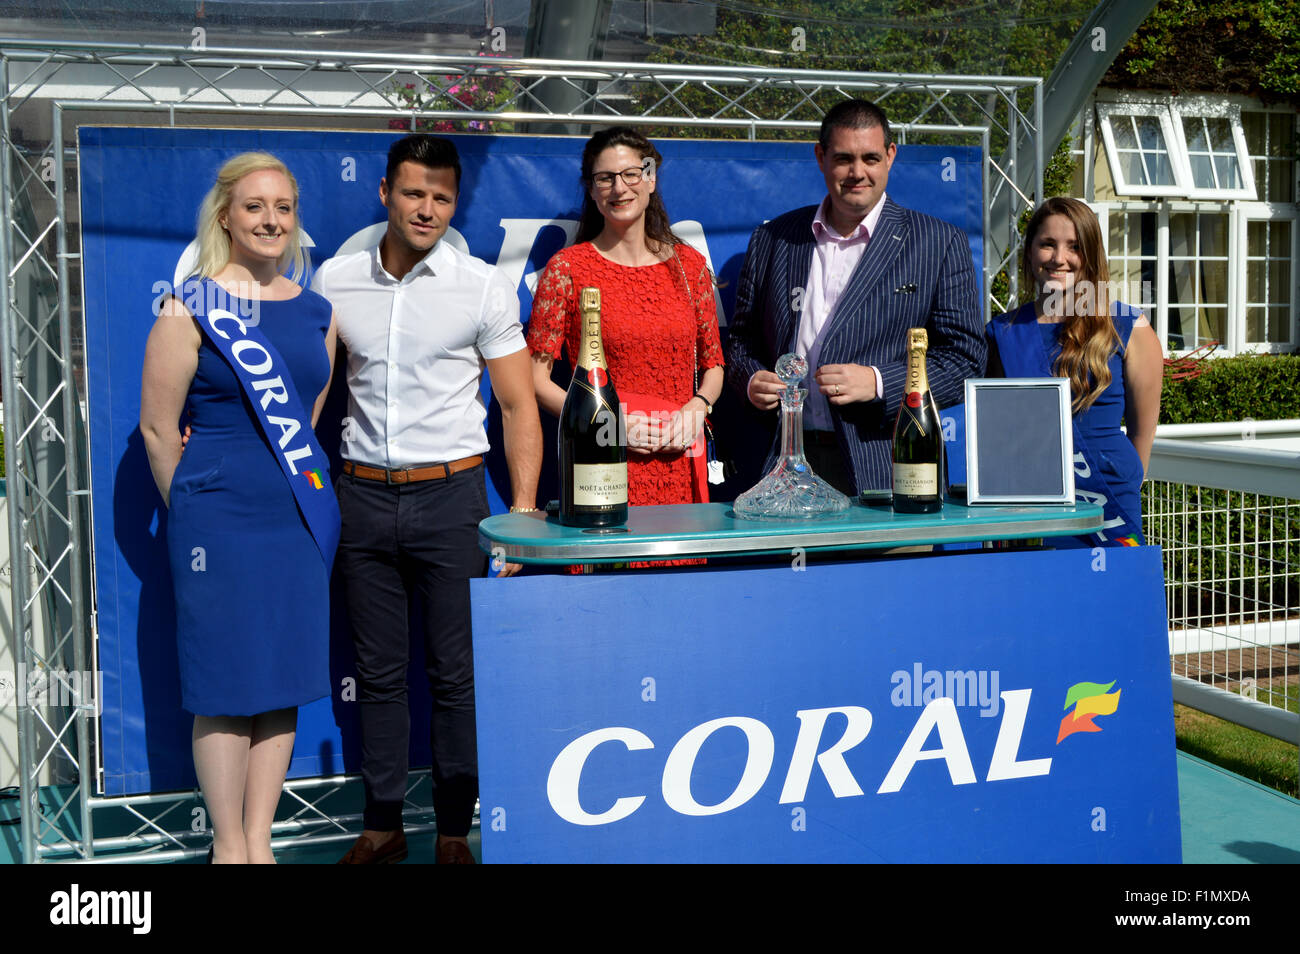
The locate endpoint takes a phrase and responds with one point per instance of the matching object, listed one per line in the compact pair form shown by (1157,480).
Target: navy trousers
(403,543)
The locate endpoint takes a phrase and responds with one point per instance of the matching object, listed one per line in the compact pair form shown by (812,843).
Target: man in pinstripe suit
(841,283)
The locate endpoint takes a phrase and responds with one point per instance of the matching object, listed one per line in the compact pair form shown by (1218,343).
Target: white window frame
(1243,215)
(1160,111)
(1199,108)
(1238,217)
(1171,113)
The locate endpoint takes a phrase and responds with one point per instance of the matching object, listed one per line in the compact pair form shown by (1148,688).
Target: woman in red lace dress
(658,320)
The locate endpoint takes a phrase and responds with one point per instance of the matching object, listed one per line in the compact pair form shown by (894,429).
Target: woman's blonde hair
(1088,337)
(214,241)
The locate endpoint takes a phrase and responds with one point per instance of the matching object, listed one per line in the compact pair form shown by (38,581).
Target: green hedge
(1259,387)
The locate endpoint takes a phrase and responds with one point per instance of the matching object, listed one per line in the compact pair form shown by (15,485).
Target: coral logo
(1089,699)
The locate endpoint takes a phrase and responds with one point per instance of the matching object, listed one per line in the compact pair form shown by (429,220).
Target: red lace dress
(658,324)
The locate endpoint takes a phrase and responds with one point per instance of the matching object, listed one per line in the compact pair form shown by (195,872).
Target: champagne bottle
(592,448)
(918,438)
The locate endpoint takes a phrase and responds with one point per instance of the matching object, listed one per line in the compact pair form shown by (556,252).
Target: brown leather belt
(412,475)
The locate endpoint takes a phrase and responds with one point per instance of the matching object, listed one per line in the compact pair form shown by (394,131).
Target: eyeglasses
(630,176)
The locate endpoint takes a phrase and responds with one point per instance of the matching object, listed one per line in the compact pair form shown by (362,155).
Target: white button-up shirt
(416,352)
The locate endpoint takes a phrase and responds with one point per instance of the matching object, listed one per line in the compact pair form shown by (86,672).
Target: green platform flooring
(1226,819)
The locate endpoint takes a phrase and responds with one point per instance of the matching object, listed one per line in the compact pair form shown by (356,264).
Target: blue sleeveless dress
(1107,467)
(252,592)
(1100,423)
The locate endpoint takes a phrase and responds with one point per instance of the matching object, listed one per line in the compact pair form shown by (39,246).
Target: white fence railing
(1223,503)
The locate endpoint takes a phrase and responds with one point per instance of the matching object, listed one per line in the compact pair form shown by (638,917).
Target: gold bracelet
(523,510)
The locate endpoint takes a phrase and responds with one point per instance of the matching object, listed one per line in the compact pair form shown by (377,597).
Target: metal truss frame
(46,439)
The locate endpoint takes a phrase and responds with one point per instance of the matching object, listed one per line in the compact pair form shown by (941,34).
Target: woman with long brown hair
(659,324)
(1074,329)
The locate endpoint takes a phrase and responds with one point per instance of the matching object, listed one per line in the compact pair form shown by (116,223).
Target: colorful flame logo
(1089,699)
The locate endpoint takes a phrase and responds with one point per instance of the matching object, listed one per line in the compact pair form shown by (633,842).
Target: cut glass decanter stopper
(791,489)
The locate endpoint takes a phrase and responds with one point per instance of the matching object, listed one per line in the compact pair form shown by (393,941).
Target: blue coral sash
(1020,346)
(280,416)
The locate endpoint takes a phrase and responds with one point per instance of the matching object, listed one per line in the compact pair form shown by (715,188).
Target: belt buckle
(388,478)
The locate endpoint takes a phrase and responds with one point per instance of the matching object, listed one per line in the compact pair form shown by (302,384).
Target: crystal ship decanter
(791,489)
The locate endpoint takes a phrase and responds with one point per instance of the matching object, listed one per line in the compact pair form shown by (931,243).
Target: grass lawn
(1250,754)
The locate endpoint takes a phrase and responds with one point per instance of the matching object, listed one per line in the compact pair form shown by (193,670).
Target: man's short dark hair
(854,114)
(432,151)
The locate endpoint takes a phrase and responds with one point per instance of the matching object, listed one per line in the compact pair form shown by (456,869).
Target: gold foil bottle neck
(591,352)
(917,342)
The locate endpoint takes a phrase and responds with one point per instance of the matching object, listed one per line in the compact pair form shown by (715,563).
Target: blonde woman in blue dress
(249,559)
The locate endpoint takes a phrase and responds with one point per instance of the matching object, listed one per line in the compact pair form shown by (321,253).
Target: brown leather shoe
(363,851)
(454,853)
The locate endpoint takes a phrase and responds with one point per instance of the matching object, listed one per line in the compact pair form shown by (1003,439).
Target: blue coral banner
(519,201)
(992,707)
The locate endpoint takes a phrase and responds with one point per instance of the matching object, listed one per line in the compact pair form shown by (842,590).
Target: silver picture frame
(1019,441)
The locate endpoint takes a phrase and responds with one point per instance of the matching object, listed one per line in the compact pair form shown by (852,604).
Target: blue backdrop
(141,189)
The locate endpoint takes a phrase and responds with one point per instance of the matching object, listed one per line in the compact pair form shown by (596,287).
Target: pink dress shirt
(835,258)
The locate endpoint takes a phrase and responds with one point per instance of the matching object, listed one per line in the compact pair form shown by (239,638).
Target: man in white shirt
(420,321)
(841,283)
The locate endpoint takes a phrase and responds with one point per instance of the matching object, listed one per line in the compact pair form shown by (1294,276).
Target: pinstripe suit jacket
(916,272)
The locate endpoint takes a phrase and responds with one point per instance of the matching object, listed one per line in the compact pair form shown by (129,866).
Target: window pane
(1214,281)
(1279,331)
(1255,283)
(1279,239)
(1122,127)
(1255,318)
(1183,294)
(1229,177)
(1194,131)
(1268,325)
(1118,232)
(1254,125)
(1214,234)
(1281,133)
(1281,188)
(1176,340)
(1162,172)
(1203,172)
(1221,135)
(1255,234)
(1132,258)
(1261,170)
(1279,281)
(1131,168)
(1149,133)
(1213,322)
(1182,240)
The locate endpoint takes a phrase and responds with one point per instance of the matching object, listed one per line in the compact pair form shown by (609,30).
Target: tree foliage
(1250,47)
